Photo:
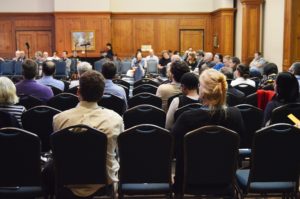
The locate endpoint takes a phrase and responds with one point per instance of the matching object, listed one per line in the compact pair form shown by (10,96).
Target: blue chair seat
(214,189)
(145,188)
(21,192)
(262,187)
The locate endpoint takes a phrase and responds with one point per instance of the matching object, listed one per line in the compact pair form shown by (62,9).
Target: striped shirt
(16,110)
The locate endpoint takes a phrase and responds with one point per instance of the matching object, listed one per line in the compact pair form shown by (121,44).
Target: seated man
(165,91)
(81,68)
(48,68)
(89,113)
(31,87)
(109,71)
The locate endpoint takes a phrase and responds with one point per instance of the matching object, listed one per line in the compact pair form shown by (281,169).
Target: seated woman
(192,60)
(218,59)
(287,91)
(212,91)
(242,74)
(8,99)
(189,86)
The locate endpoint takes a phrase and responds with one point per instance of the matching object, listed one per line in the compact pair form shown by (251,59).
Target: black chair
(275,163)
(172,97)
(233,100)
(125,89)
(152,68)
(63,101)
(144,114)
(144,88)
(251,99)
(98,65)
(67,84)
(246,88)
(80,150)
(113,102)
(253,121)
(18,69)
(39,120)
(210,158)
(145,98)
(60,70)
(29,101)
(145,166)
(145,81)
(8,120)
(20,167)
(125,66)
(279,115)
(7,68)
(73,90)
(121,82)
(55,90)
(188,107)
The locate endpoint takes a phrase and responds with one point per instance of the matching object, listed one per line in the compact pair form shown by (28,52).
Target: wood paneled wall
(10,23)
(126,31)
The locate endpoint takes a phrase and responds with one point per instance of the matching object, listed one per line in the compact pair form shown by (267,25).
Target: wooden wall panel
(143,32)
(167,37)
(6,47)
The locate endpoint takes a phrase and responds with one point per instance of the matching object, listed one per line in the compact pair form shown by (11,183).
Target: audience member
(81,68)
(109,51)
(29,86)
(226,60)
(38,55)
(218,59)
(163,62)
(22,56)
(234,62)
(165,91)
(8,99)
(138,66)
(270,71)
(189,86)
(46,56)
(192,60)
(64,57)
(212,91)
(287,91)
(89,113)
(54,56)
(207,62)
(295,69)
(17,55)
(109,71)
(258,62)
(48,68)
(152,56)
(242,74)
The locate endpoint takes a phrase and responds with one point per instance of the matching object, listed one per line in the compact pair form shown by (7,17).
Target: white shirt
(241,80)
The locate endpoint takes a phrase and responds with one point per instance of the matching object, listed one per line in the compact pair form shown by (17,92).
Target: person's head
(208,56)
(91,86)
(45,55)
(234,62)
(83,67)
(8,94)
(151,52)
(213,88)
(109,46)
(54,53)
(243,71)
(295,67)
(226,60)
(175,58)
(176,52)
(165,54)
(269,69)
(38,55)
(109,70)
(74,53)
(200,54)
(64,54)
(257,55)
(29,69)
(48,68)
(192,56)
(139,56)
(22,54)
(17,53)
(218,58)
(177,69)
(227,71)
(189,82)
(286,87)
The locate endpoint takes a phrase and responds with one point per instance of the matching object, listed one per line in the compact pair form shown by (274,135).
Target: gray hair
(83,67)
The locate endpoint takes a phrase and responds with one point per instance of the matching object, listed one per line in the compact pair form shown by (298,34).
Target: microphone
(86,44)
(27,45)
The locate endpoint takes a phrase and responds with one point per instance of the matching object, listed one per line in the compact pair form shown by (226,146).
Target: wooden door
(37,40)
(191,39)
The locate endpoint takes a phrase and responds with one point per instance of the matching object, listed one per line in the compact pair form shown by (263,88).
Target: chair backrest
(276,154)
(8,120)
(55,90)
(79,154)
(251,99)
(39,120)
(29,101)
(125,89)
(125,66)
(18,68)
(246,88)
(144,88)
(60,68)
(98,65)
(142,160)
(145,81)
(67,84)
(188,107)
(73,90)
(205,149)
(253,121)
(20,158)
(279,115)
(232,100)
(7,68)
(113,102)
(121,82)
(172,97)
(144,114)
(152,67)
(63,101)
(145,98)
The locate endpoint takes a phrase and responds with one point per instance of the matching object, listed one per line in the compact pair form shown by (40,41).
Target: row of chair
(210,159)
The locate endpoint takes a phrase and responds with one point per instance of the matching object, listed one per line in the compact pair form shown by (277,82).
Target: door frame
(184,29)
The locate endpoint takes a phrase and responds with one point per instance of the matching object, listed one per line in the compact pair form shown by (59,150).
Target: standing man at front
(91,87)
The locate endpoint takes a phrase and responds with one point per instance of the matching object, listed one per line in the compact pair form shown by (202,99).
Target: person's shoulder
(111,115)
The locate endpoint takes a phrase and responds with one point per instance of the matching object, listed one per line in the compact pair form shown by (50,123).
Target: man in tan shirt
(164,91)
(91,87)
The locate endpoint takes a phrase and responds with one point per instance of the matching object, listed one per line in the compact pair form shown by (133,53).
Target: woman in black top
(212,91)
(162,64)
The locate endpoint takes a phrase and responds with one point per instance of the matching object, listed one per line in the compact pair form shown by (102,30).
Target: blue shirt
(218,66)
(50,81)
(111,88)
